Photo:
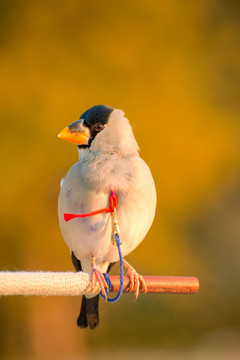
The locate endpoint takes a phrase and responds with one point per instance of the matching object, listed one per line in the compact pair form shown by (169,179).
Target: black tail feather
(82,318)
(89,316)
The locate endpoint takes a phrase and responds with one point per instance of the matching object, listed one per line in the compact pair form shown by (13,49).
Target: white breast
(91,236)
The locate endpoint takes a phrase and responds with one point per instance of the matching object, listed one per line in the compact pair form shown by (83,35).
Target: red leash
(113,205)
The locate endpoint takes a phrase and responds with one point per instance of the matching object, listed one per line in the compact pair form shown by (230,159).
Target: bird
(108,162)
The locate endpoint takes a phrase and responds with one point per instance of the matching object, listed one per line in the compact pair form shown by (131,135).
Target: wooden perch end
(162,284)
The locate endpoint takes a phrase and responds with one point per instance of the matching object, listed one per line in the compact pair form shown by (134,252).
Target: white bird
(108,161)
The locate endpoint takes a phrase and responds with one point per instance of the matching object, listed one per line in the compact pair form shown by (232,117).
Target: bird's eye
(98,127)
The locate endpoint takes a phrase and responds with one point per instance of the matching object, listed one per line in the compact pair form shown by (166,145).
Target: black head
(95,119)
(91,122)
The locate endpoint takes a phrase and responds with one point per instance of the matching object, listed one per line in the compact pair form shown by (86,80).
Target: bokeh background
(173,66)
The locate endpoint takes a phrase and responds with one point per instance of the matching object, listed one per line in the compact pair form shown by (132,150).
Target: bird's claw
(96,275)
(136,281)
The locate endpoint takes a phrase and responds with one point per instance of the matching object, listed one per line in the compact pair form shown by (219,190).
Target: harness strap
(110,209)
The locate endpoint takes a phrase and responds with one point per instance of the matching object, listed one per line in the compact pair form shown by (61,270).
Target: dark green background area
(173,67)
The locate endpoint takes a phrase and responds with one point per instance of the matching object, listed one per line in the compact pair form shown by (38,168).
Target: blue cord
(121,274)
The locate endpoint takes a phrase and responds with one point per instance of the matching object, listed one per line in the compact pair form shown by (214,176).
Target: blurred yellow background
(173,67)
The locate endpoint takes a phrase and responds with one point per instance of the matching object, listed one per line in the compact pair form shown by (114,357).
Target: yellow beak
(76,133)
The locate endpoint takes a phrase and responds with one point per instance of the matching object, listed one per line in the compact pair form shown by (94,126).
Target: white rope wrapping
(46,283)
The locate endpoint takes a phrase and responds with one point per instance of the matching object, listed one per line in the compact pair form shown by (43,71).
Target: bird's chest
(91,236)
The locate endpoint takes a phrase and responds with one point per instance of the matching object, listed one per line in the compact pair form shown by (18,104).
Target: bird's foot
(96,275)
(136,281)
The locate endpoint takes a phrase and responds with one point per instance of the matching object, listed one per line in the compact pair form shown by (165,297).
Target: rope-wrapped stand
(75,284)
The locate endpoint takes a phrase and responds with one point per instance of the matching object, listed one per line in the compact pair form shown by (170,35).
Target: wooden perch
(74,284)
